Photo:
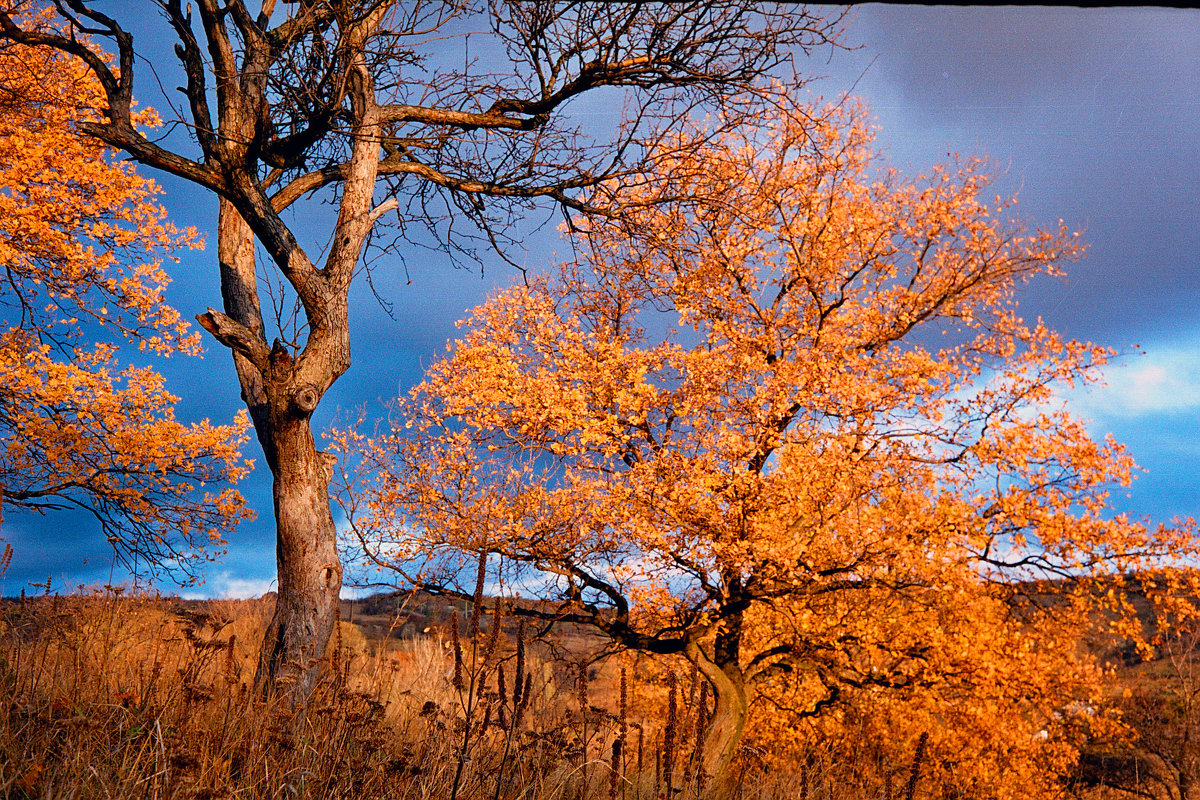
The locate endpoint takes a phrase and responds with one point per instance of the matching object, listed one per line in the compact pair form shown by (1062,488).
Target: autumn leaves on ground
(768,491)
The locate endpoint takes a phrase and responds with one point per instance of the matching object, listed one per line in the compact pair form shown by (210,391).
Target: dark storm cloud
(61,546)
(1093,115)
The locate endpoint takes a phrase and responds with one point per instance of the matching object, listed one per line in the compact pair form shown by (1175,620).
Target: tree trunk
(724,733)
(239,295)
(728,722)
(310,574)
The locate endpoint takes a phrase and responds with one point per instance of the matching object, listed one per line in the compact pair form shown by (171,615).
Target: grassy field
(109,696)
(120,697)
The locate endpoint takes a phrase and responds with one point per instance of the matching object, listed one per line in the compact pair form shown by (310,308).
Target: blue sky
(1091,115)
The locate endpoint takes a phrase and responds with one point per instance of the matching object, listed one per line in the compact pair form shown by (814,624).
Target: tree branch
(236,337)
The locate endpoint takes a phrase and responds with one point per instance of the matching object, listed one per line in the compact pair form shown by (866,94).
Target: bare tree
(356,95)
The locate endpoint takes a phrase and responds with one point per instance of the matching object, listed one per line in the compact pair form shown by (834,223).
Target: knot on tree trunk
(306,398)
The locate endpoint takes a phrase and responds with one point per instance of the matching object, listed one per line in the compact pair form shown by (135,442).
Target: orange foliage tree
(794,432)
(81,239)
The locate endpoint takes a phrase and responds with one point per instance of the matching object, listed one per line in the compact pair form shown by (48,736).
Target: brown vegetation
(115,696)
(150,697)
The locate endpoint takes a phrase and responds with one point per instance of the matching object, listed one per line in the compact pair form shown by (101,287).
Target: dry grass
(117,697)
(108,696)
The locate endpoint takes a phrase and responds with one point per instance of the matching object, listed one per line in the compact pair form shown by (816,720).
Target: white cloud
(226,585)
(1164,379)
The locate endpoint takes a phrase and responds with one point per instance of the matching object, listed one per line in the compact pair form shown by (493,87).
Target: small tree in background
(1158,696)
(794,432)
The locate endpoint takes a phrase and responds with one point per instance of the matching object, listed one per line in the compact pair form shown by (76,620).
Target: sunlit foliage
(791,428)
(81,242)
